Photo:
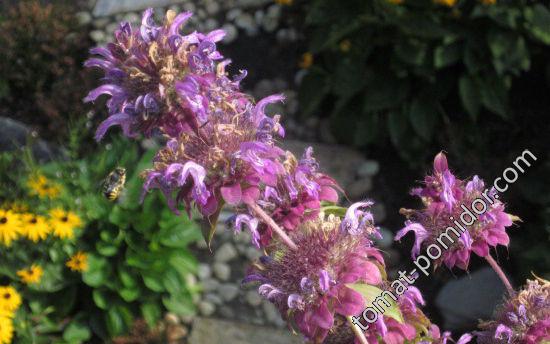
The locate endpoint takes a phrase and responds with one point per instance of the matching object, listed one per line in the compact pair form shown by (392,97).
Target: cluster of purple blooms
(221,149)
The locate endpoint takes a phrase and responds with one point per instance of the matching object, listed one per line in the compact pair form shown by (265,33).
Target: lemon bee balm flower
(42,187)
(10,226)
(63,223)
(31,275)
(78,262)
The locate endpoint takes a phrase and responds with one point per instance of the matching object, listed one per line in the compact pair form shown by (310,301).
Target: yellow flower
(31,275)
(78,262)
(16,207)
(488,2)
(34,227)
(63,223)
(284,2)
(10,226)
(6,328)
(448,3)
(306,61)
(41,186)
(345,45)
(10,299)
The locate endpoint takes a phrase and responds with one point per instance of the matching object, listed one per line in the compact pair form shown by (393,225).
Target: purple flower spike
(295,301)
(356,220)
(420,235)
(324,280)
(251,223)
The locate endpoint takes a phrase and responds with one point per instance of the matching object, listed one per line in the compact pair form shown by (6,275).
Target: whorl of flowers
(523,319)
(309,285)
(442,196)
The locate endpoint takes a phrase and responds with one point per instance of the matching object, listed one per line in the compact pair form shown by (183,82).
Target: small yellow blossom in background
(10,299)
(63,223)
(306,61)
(31,275)
(284,2)
(16,207)
(10,226)
(396,2)
(488,2)
(34,227)
(41,186)
(6,326)
(345,45)
(448,3)
(78,262)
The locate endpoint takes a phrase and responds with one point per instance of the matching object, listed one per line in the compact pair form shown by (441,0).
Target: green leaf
(106,249)
(313,88)
(510,53)
(129,294)
(397,126)
(412,52)
(179,304)
(76,333)
(151,313)
(100,299)
(538,22)
(447,55)
(120,217)
(469,96)
(153,282)
(209,224)
(171,281)
(371,293)
(335,210)
(97,272)
(494,95)
(423,115)
(116,319)
(384,91)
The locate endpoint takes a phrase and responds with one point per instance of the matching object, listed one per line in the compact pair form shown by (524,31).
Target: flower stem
(358,333)
(500,273)
(271,223)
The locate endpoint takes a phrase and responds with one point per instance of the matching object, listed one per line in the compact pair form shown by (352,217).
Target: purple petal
(259,109)
(324,280)
(178,22)
(295,301)
(251,223)
(112,90)
(420,232)
(122,119)
(465,338)
(232,194)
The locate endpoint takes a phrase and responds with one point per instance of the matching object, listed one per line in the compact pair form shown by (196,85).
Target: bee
(114,183)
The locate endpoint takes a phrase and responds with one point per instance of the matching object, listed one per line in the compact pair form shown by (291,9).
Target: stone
(467,299)
(210,284)
(171,318)
(212,7)
(228,291)
(204,271)
(105,8)
(213,298)
(233,14)
(227,312)
(358,189)
(253,253)
(132,17)
(368,168)
(231,33)
(225,253)
(222,271)
(246,22)
(210,24)
(175,333)
(271,313)
(253,298)
(83,17)
(206,308)
(14,134)
(98,36)
(379,212)
(215,331)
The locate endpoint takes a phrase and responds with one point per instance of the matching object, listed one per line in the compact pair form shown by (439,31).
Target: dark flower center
(33,221)
(3,220)
(7,296)
(64,219)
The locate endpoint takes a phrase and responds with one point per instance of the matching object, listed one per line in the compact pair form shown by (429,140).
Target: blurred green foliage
(139,264)
(42,80)
(420,74)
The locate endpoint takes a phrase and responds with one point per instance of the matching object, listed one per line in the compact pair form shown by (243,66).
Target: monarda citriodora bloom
(523,319)
(443,196)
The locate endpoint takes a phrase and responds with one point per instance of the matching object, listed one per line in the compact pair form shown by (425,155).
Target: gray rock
(231,33)
(272,314)
(252,3)
(132,17)
(204,271)
(467,299)
(98,36)
(227,312)
(189,6)
(379,212)
(212,7)
(222,271)
(253,298)
(14,135)
(359,188)
(246,22)
(206,308)
(211,24)
(105,8)
(214,331)
(387,238)
(83,17)
(210,284)
(253,253)
(213,298)
(225,253)
(242,237)
(110,28)
(228,291)
(233,14)
(368,169)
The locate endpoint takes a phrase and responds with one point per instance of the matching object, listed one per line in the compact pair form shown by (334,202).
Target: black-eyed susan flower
(448,3)
(306,60)
(345,45)
(6,326)
(42,187)
(488,2)
(284,2)
(78,262)
(10,299)
(34,227)
(10,226)
(63,223)
(31,275)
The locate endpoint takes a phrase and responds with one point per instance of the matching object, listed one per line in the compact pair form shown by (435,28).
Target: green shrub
(138,262)
(424,72)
